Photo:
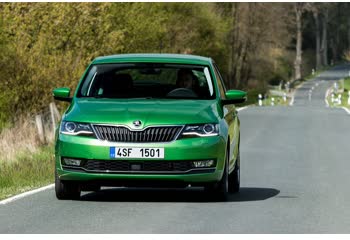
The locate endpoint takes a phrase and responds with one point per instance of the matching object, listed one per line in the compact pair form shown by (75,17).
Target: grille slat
(147,166)
(123,134)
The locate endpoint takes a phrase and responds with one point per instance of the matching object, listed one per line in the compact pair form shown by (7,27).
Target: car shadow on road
(246,194)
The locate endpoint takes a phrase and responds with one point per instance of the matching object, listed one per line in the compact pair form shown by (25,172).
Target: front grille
(107,165)
(123,134)
(146,166)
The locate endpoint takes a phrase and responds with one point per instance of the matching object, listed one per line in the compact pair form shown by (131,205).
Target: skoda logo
(137,123)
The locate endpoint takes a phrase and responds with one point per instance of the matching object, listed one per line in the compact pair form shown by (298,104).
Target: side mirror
(62,94)
(234,96)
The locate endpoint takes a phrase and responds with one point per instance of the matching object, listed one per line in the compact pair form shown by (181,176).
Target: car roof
(158,58)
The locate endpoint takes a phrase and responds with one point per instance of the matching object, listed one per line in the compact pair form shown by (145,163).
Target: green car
(149,120)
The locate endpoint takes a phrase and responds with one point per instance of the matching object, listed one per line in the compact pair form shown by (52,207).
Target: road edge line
(346,110)
(25,194)
(242,108)
(326,95)
(291,101)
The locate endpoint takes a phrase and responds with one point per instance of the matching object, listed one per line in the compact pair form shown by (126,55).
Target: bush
(276,80)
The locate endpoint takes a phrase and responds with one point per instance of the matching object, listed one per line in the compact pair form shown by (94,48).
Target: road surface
(295,179)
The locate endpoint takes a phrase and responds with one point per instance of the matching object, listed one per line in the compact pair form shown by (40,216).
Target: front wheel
(66,190)
(220,190)
(234,177)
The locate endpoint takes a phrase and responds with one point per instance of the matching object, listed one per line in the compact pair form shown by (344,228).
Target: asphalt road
(295,179)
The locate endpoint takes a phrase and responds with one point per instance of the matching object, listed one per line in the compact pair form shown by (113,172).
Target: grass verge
(253,99)
(27,171)
(278,101)
(344,88)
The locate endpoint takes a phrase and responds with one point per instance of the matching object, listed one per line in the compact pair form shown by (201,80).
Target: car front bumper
(187,149)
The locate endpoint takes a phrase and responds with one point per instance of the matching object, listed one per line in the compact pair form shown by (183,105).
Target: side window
(221,85)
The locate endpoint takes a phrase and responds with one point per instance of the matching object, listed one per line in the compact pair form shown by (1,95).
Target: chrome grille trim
(150,134)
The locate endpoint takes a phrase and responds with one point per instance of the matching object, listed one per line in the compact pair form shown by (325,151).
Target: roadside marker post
(336,87)
(348,97)
(310,92)
(313,71)
(272,101)
(332,98)
(260,100)
(339,98)
(285,97)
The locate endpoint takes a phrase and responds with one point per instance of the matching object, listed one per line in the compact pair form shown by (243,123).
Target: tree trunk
(349,33)
(324,49)
(298,56)
(335,37)
(318,40)
(230,73)
(334,49)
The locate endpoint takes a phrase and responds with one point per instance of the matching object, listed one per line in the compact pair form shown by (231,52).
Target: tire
(220,190)
(66,190)
(234,177)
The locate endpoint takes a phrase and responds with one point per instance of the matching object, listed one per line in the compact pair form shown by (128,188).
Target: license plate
(128,152)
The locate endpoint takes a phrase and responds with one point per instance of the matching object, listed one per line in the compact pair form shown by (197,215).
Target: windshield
(147,80)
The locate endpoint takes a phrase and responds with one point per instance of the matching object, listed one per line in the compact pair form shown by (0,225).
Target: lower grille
(137,167)
(146,166)
(150,134)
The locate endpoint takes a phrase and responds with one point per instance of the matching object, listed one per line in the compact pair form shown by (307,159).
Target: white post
(55,111)
(332,98)
(272,101)
(284,97)
(348,97)
(313,71)
(310,92)
(339,98)
(336,87)
(40,128)
(260,100)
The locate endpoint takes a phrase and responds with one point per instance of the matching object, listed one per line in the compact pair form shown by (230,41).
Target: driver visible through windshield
(147,80)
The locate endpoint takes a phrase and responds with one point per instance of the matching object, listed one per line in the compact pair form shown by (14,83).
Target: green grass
(343,84)
(26,172)
(277,102)
(347,84)
(253,99)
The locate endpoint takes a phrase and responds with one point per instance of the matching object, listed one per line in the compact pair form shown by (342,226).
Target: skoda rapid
(159,120)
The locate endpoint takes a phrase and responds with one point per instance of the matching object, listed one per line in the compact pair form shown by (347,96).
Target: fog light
(203,164)
(72,162)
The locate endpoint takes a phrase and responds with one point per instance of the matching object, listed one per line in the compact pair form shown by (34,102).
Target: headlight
(74,128)
(201,130)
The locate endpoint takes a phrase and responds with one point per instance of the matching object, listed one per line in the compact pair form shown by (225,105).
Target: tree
(299,8)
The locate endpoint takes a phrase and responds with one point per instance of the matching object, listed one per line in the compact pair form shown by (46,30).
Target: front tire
(220,190)
(234,177)
(66,190)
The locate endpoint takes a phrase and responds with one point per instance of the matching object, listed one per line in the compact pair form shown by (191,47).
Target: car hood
(148,111)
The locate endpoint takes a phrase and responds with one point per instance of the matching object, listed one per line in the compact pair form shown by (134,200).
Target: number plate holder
(136,153)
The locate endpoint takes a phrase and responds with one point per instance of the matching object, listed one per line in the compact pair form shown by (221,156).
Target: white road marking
(242,108)
(25,194)
(346,110)
(326,95)
(291,101)
(310,94)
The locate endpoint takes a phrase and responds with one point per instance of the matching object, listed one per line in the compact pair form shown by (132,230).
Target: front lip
(191,171)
